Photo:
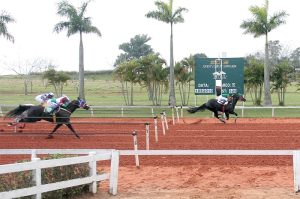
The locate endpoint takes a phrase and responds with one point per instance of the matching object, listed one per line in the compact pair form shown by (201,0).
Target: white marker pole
(137,161)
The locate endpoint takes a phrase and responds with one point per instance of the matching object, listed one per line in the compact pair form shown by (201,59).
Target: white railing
(272,108)
(294,153)
(243,108)
(36,165)
(177,111)
(120,109)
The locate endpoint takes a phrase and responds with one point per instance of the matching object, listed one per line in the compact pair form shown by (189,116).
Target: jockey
(223,99)
(43,98)
(54,103)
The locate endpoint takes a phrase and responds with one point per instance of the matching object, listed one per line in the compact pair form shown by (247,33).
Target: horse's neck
(232,104)
(71,107)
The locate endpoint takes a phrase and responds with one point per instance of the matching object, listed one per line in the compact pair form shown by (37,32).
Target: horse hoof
(78,137)
(11,124)
(222,121)
(22,126)
(49,137)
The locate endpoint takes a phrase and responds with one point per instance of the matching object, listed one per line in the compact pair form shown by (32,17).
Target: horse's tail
(17,111)
(197,108)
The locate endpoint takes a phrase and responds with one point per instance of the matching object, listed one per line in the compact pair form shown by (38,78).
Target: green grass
(102,90)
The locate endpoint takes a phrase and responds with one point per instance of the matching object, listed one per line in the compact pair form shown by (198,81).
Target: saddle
(52,112)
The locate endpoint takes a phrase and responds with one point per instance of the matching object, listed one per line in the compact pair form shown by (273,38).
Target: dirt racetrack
(180,176)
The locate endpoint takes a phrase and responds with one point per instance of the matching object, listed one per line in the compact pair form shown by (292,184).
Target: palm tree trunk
(188,97)
(81,69)
(172,99)
(131,94)
(267,99)
(180,92)
(123,92)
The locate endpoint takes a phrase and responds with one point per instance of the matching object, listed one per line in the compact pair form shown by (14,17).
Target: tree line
(140,64)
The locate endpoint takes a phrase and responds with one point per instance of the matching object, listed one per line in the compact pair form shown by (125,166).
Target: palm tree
(76,23)
(4,19)
(261,25)
(165,14)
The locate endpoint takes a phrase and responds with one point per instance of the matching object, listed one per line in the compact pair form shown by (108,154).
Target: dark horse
(215,107)
(29,114)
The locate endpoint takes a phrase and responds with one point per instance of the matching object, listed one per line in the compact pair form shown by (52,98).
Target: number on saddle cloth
(223,101)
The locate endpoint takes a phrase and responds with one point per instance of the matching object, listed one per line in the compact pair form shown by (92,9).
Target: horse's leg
(53,131)
(227,115)
(72,129)
(217,116)
(22,126)
(236,116)
(15,121)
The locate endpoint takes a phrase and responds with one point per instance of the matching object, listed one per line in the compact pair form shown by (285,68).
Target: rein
(65,110)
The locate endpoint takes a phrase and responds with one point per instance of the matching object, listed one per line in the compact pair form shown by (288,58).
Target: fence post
(137,161)
(273,111)
(173,117)
(93,173)
(152,112)
(165,119)
(114,172)
(296,166)
(162,123)
(177,114)
(36,174)
(147,135)
(243,111)
(181,112)
(155,129)
(92,112)
(1,113)
(122,112)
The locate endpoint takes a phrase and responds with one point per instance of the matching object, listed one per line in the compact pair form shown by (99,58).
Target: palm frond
(66,10)
(6,18)
(61,26)
(177,15)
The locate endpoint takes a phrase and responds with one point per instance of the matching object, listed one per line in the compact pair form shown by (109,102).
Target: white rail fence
(36,165)
(177,111)
(294,153)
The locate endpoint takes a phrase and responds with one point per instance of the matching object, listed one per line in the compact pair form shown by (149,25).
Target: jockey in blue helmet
(44,97)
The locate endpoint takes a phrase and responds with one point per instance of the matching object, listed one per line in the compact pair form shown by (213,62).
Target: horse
(216,107)
(31,114)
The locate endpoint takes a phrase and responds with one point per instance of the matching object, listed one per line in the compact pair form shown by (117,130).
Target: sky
(211,27)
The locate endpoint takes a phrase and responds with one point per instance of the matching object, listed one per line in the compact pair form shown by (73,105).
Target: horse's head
(81,103)
(238,97)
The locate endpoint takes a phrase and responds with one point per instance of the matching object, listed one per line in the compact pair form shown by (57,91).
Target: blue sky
(211,27)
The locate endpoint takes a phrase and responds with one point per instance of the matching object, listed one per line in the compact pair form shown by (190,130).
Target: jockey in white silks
(43,98)
(223,99)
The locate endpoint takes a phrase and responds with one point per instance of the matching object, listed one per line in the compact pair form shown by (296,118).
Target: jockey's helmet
(50,95)
(64,99)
